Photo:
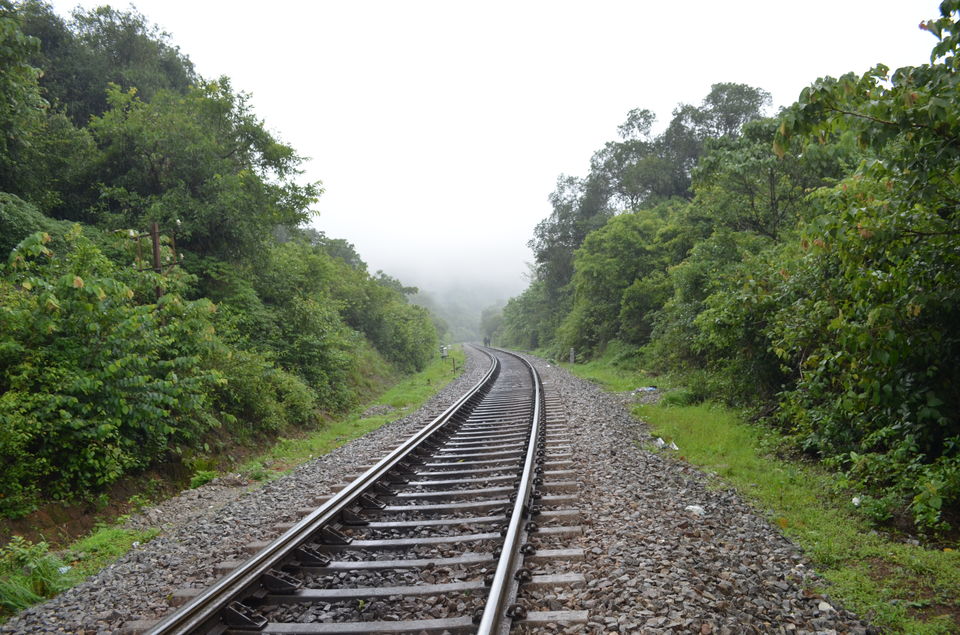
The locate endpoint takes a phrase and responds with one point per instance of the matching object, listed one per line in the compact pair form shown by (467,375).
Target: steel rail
(202,613)
(503,585)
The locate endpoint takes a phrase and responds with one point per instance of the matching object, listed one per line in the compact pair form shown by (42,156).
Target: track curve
(457,496)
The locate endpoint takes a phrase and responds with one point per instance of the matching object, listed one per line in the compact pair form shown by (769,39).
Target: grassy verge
(901,587)
(30,572)
(615,378)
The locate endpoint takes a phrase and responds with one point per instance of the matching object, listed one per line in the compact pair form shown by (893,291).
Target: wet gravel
(651,565)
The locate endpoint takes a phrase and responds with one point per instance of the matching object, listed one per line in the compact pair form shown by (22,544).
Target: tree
(723,112)
(878,387)
(266,324)
(639,172)
(99,47)
(728,107)
(21,106)
(635,170)
(579,207)
(741,184)
(611,259)
(202,159)
(490,320)
(530,320)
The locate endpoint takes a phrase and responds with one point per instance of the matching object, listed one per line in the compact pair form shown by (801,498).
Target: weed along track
(452,531)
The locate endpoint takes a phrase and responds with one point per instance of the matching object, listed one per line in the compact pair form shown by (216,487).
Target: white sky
(439,128)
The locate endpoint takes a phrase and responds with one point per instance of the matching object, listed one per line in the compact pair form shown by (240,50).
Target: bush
(19,219)
(29,573)
(94,383)
(202,477)
(256,397)
(408,337)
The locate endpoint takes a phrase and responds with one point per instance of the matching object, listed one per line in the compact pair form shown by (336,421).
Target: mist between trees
(251,326)
(804,265)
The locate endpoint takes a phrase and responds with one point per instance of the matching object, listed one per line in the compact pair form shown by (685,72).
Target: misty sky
(439,128)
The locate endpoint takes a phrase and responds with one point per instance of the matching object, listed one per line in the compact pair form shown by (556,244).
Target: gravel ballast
(666,549)
(651,565)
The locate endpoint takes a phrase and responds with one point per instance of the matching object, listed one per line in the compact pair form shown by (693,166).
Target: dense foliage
(253,324)
(94,381)
(808,268)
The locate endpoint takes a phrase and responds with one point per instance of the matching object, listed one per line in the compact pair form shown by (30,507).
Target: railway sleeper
(445,625)
(302,595)
(546,517)
(467,559)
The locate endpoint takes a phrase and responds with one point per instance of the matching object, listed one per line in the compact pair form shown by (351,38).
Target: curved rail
(205,612)
(202,612)
(503,587)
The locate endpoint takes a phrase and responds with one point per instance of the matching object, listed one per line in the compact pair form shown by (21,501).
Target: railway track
(443,534)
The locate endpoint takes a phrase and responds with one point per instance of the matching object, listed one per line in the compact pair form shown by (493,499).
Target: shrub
(28,574)
(201,477)
(19,219)
(94,383)
(256,397)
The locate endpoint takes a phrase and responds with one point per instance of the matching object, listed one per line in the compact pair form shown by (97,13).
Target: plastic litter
(660,444)
(696,510)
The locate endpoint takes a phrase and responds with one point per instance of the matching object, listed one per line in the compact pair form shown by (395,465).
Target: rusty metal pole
(155,237)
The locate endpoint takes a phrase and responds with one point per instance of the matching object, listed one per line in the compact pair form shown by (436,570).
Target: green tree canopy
(203,159)
(21,106)
(81,57)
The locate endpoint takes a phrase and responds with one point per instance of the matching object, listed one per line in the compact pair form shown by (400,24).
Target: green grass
(402,399)
(30,572)
(88,555)
(614,378)
(901,587)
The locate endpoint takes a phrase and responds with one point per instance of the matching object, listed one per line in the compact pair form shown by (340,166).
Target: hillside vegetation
(252,324)
(806,265)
